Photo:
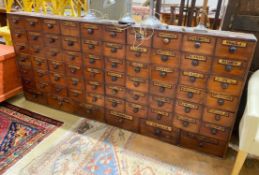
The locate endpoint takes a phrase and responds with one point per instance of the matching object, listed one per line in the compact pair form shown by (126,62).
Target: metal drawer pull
(232,49)
(197,45)
(166,40)
(190,95)
(221,102)
(185,124)
(228,68)
(70,43)
(32,23)
(164,58)
(187,110)
(113,34)
(195,62)
(224,85)
(192,79)
(90,31)
(158,132)
(50,26)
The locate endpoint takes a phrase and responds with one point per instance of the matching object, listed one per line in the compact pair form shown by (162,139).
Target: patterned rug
(97,149)
(20,131)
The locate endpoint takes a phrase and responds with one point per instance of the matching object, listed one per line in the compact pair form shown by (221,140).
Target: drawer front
(137,97)
(196,62)
(19,36)
(59,90)
(122,120)
(165,58)
(61,103)
(198,44)
(58,79)
(17,22)
(137,69)
(35,38)
(74,58)
(160,116)
(33,24)
(44,87)
(186,123)
(116,91)
(115,104)
(114,50)
(37,50)
(24,60)
(51,26)
(222,101)
(92,74)
(74,70)
(21,48)
(95,99)
(56,66)
(194,79)
(215,131)
(41,75)
(165,74)
(115,78)
(115,34)
(137,84)
(94,61)
(225,85)
(54,54)
(191,94)
(94,87)
(52,41)
(92,31)
(136,110)
(164,89)
(167,40)
(115,64)
(139,37)
(75,83)
(203,144)
(40,63)
(69,28)
(188,109)
(218,117)
(161,103)
(91,111)
(228,48)
(77,95)
(229,66)
(92,46)
(138,54)
(71,43)
(35,96)
(159,131)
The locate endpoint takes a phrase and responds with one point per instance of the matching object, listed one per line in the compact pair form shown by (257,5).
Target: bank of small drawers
(180,87)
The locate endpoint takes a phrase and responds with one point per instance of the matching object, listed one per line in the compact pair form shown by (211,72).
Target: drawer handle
(201,144)
(213,131)
(228,68)
(187,110)
(114,92)
(92,74)
(136,97)
(16,21)
(161,89)
(53,54)
(42,86)
(166,40)
(56,78)
(89,111)
(50,26)
(185,124)
(164,58)
(137,54)
(221,102)
(137,69)
(94,87)
(73,70)
(158,132)
(32,23)
(197,45)
(52,40)
(40,74)
(136,84)
(120,120)
(91,46)
(192,79)
(60,103)
(58,90)
(76,94)
(195,62)
(55,66)
(94,99)
(114,104)
(217,117)
(37,50)
(190,95)
(70,43)
(113,50)
(135,110)
(23,59)
(160,103)
(114,65)
(139,36)
(90,31)
(72,57)
(34,38)
(113,34)
(91,61)
(39,63)
(114,78)
(224,85)
(75,82)
(163,74)
(34,96)
(22,48)
(18,35)
(159,117)
(232,49)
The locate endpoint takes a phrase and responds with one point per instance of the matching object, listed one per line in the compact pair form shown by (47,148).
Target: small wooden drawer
(138,54)
(160,116)
(231,86)
(19,36)
(74,70)
(234,49)
(26,72)
(200,44)
(93,74)
(17,22)
(136,110)
(165,58)
(115,104)
(161,103)
(203,144)
(229,66)
(39,63)
(115,64)
(43,86)
(61,103)
(94,61)
(35,38)
(94,87)
(58,79)
(24,60)
(194,79)
(116,91)
(195,62)
(116,34)
(74,58)
(37,50)
(21,48)
(56,66)
(54,54)
(138,84)
(188,109)
(191,94)
(166,74)
(92,31)
(59,90)
(139,37)
(222,101)
(75,83)
(28,83)
(35,96)
(33,24)
(186,123)
(167,40)
(159,131)
(52,41)
(41,75)
(77,95)
(70,28)
(137,97)
(115,78)
(137,69)
(90,111)
(122,120)
(215,131)
(114,50)
(218,117)
(71,43)
(92,46)
(51,26)
(95,99)
(164,89)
